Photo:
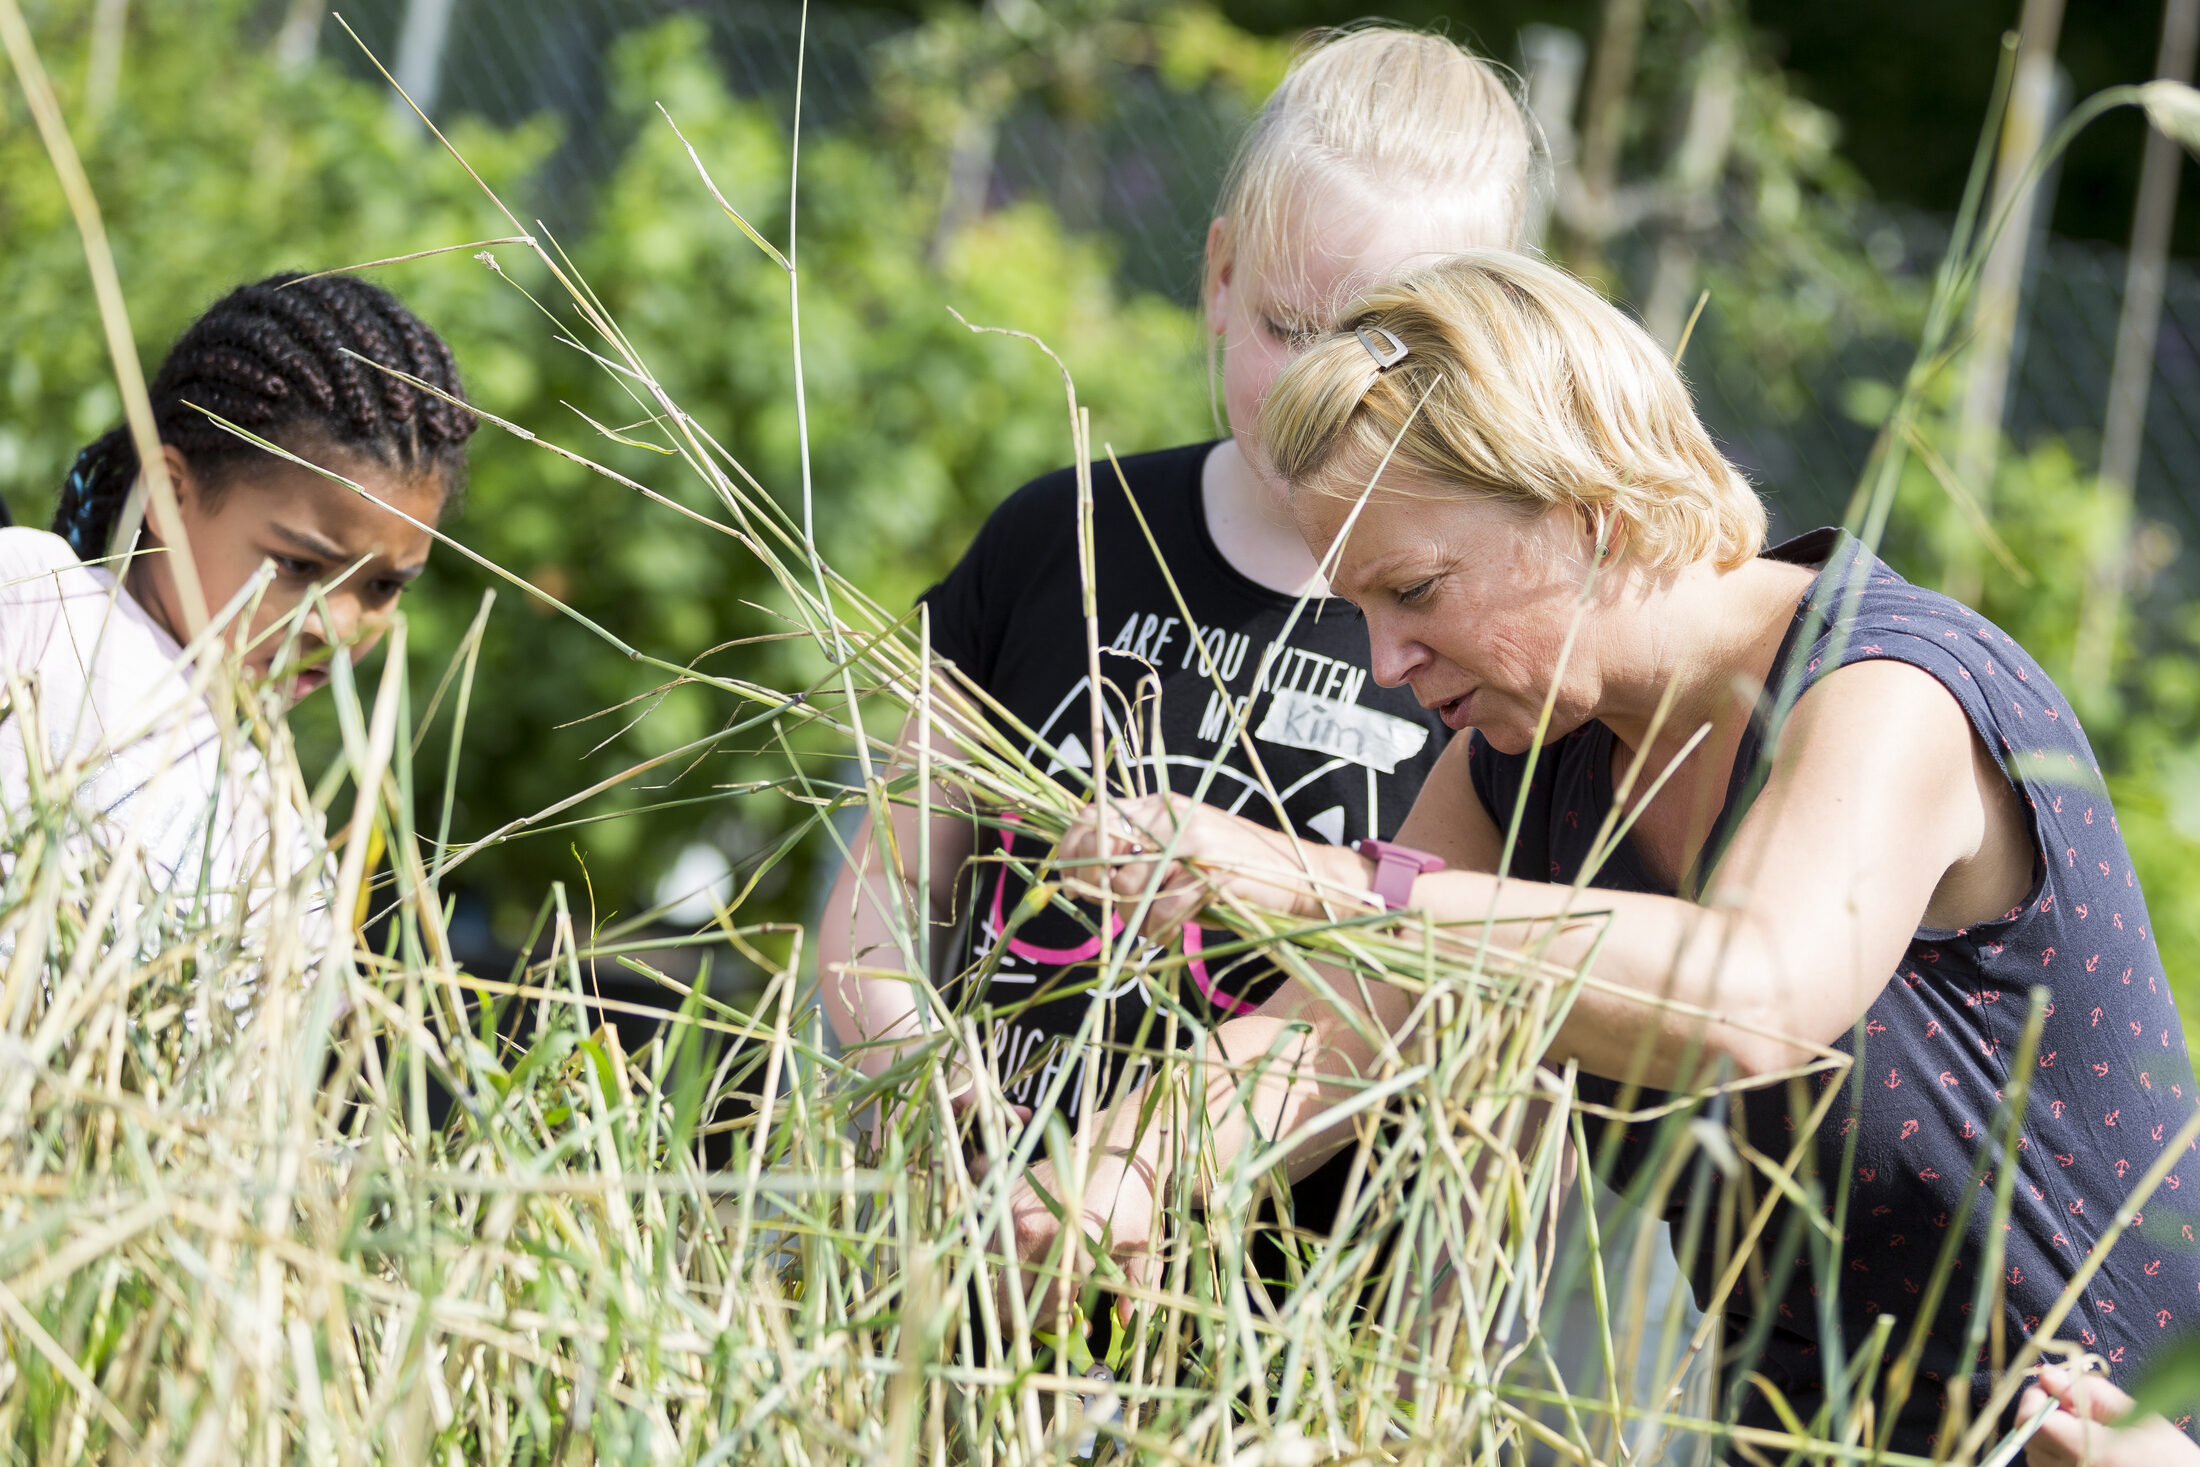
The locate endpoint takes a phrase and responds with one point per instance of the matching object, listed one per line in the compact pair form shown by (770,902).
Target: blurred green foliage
(2146,729)
(216,165)
(1716,180)
(917,426)
(1794,273)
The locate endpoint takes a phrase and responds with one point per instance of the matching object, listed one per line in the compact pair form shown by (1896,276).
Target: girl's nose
(343,614)
(334,620)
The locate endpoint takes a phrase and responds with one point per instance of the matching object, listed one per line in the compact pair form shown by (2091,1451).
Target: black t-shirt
(2110,1087)
(1345,756)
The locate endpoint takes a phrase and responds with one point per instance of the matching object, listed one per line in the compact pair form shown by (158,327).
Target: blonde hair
(1521,384)
(1397,113)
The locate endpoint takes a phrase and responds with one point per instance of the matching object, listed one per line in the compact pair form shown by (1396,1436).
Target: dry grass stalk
(233,1225)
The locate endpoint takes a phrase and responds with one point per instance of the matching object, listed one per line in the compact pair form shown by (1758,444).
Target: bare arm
(1882,809)
(865,978)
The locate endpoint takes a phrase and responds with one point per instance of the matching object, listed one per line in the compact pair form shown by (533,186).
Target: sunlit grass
(271,1192)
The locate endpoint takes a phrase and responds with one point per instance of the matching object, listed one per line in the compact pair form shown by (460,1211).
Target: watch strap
(1396,867)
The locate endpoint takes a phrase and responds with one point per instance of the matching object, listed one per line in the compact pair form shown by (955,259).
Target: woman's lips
(309,680)
(1455,713)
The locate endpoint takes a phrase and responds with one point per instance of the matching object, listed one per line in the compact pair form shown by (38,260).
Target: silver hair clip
(1384,360)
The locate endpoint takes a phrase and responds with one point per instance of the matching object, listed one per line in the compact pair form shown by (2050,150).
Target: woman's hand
(1217,858)
(2087,1429)
(965,1107)
(1121,1204)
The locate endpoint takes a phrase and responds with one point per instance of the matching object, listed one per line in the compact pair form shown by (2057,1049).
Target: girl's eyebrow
(326,549)
(313,544)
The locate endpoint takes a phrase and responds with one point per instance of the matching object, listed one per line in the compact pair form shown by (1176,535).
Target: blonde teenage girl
(1381,147)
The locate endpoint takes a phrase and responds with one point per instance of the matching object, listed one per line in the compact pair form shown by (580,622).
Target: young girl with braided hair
(102,696)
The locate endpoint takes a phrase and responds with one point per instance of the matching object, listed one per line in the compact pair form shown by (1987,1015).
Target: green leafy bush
(215,165)
(919,425)
(2044,509)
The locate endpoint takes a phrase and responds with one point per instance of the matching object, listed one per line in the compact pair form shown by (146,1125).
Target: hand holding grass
(1188,857)
(964,1105)
(2091,1426)
(1117,1212)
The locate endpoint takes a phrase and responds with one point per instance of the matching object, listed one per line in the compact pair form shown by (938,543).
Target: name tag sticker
(1381,741)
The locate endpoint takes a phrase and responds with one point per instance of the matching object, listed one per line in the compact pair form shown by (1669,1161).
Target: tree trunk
(1698,164)
(1603,123)
(1551,60)
(103,69)
(300,35)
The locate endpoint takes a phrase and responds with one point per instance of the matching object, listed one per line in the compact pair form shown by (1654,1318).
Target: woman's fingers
(2064,1440)
(1133,827)
(2047,1447)
(2094,1397)
(964,1103)
(1118,1208)
(964,1106)
(1037,1231)
(1137,1264)
(1105,856)
(1212,856)
(2093,1426)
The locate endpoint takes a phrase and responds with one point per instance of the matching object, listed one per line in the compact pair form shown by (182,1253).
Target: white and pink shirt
(105,709)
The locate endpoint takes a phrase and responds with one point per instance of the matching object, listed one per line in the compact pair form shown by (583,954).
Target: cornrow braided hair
(270,357)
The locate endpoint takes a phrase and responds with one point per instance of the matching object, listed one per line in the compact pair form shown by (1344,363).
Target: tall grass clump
(281,1181)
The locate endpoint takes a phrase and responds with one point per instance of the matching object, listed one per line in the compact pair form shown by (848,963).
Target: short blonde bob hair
(1388,114)
(1538,392)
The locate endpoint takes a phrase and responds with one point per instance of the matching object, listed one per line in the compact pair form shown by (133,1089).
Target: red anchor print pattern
(2111,1066)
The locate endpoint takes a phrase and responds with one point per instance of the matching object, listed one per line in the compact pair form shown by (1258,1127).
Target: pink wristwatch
(1396,866)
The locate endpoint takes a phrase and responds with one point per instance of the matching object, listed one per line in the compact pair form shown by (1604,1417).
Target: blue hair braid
(92,496)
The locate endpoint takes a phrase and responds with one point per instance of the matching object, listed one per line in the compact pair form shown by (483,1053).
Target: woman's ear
(189,492)
(1599,526)
(1218,270)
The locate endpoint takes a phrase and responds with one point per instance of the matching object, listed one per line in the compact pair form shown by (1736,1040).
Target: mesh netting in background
(1146,174)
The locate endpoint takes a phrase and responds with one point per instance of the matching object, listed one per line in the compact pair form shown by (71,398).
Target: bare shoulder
(1877,732)
(1881,708)
(1885,736)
